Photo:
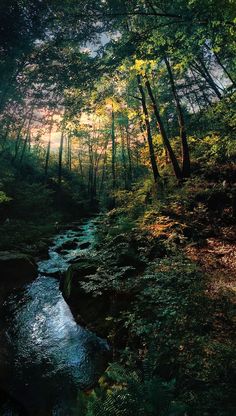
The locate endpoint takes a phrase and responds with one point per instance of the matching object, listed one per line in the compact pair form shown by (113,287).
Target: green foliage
(126,394)
(4,197)
(167,336)
(213,149)
(29,205)
(31,200)
(25,235)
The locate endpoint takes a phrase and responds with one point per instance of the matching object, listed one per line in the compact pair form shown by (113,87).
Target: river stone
(43,247)
(84,245)
(18,266)
(16,270)
(70,281)
(56,274)
(68,245)
(90,308)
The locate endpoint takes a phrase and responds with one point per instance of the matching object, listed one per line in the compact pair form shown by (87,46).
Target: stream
(45,357)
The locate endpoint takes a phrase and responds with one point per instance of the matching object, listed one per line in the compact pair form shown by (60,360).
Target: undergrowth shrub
(123,393)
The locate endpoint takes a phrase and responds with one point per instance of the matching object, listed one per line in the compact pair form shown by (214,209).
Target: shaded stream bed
(45,357)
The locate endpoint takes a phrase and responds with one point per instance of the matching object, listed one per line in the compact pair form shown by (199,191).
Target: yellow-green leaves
(142,67)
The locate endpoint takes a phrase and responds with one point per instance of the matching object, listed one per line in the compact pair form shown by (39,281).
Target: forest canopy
(130,86)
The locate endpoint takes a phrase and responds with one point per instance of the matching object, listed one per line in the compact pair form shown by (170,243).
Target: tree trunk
(113,141)
(27,137)
(155,171)
(130,171)
(60,159)
(203,71)
(80,166)
(69,153)
(6,131)
(224,69)
(91,167)
(186,169)
(47,160)
(103,173)
(205,97)
(163,134)
(18,141)
(123,157)
(48,147)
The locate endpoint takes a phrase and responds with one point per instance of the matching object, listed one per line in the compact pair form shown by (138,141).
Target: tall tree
(155,171)
(186,169)
(163,133)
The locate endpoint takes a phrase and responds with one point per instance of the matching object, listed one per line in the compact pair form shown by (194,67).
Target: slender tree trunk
(103,172)
(27,137)
(220,63)
(29,141)
(192,91)
(24,149)
(130,171)
(47,160)
(96,169)
(141,128)
(18,141)
(69,153)
(80,166)
(60,159)
(123,155)
(161,127)
(203,65)
(5,136)
(91,173)
(48,147)
(205,97)
(183,134)
(225,69)
(155,171)
(203,71)
(113,140)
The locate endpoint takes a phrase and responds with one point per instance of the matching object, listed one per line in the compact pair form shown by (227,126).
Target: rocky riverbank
(167,316)
(42,347)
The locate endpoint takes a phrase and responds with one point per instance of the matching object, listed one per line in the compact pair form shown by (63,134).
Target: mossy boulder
(18,266)
(42,248)
(89,308)
(92,298)
(70,283)
(39,249)
(16,270)
(84,246)
(68,245)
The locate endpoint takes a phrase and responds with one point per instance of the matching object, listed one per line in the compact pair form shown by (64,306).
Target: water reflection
(46,355)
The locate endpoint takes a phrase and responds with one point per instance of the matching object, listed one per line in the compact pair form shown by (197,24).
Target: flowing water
(45,357)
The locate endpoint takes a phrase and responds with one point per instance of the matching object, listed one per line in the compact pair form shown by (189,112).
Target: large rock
(16,270)
(70,283)
(38,250)
(89,309)
(85,245)
(68,245)
(18,266)
(91,301)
